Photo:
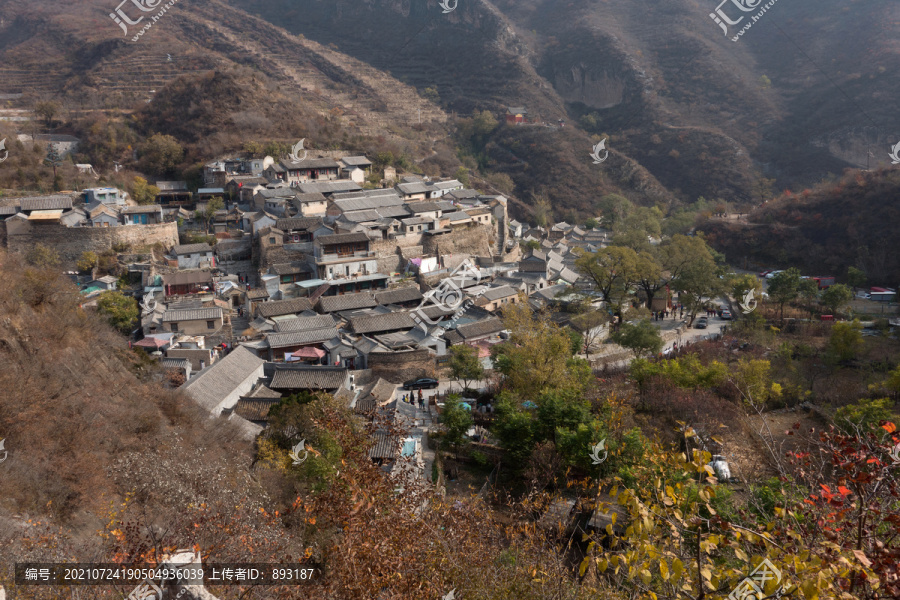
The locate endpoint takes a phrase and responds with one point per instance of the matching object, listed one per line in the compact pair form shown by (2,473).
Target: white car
(773,274)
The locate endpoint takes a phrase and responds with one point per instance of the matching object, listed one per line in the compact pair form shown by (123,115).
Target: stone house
(193,321)
(497,297)
(344,255)
(150,214)
(310,204)
(194,256)
(310,169)
(355,168)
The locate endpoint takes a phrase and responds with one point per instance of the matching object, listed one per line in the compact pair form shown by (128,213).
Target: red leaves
(889,427)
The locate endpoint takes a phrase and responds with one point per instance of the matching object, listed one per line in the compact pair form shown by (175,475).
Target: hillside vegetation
(822,231)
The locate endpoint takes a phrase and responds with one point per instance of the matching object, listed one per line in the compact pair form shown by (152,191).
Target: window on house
(271,240)
(210,324)
(174,326)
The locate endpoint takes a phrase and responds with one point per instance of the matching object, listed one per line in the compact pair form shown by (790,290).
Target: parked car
(773,274)
(764,273)
(421,384)
(702,323)
(726,314)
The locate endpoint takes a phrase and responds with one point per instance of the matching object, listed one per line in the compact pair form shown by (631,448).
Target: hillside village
(306,282)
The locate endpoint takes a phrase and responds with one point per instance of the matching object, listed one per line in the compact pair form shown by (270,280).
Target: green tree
(856,278)
(741,285)
(542,211)
(120,310)
(642,338)
(161,155)
(698,280)
(432,94)
(612,271)
(864,414)
(42,256)
(836,297)
(614,209)
(537,356)
(784,287)
(457,420)
(845,341)
(142,192)
(87,262)
(47,110)
(208,214)
(462,175)
(808,292)
(53,158)
(591,223)
(465,366)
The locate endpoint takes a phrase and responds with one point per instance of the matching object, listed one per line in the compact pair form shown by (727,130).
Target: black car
(421,384)
(701,323)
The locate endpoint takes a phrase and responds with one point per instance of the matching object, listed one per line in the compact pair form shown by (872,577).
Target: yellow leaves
(602,565)
(810,589)
(741,555)
(706,573)
(646,576)
(609,527)
(677,569)
(664,569)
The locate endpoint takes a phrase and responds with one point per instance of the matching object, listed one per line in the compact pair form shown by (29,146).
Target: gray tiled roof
(212,385)
(328,187)
(192,314)
(414,188)
(283,307)
(305,323)
(175,363)
(255,409)
(423,207)
(310,163)
(140,210)
(386,322)
(291,268)
(404,294)
(480,328)
(298,223)
(504,291)
(329,304)
(298,338)
(55,202)
(356,161)
(192,248)
(308,378)
(342,238)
